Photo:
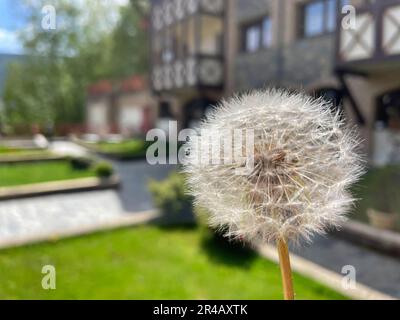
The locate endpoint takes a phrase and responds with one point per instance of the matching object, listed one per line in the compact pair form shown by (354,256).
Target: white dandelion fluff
(304,161)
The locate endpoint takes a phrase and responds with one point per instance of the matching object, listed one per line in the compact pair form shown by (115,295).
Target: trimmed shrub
(170,195)
(80,163)
(103,169)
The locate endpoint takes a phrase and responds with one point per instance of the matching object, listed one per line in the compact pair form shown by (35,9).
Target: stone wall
(299,65)
(252,9)
(308,61)
(256,70)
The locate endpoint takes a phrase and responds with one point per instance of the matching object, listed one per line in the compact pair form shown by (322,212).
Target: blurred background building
(203,50)
(126,107)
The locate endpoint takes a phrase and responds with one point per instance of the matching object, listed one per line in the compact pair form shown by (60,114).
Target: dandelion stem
(286,271)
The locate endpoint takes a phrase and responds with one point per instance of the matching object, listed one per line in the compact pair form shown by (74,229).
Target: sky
(12,18)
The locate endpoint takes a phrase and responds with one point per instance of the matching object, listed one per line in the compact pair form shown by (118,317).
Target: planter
(184,216)
(382,220)
(385,241)
(56,187)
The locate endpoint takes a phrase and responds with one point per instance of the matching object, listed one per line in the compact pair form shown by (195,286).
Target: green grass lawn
(36,172)
(9,151)
(126,148)
(146,263)
(5,149)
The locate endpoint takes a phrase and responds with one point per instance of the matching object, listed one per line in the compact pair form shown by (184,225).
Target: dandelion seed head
(304,160)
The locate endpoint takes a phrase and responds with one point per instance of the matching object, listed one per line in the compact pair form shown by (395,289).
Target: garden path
(56,213)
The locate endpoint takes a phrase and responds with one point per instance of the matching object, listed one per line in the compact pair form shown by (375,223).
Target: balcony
(373,43)
(187,41)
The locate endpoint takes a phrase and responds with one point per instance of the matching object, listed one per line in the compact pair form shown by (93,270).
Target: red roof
(134,83)
(101,87)
(131,84)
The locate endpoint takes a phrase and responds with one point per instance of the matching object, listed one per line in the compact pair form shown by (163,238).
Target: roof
(135,83)
(100,88)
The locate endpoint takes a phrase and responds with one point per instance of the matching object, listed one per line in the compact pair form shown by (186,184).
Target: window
(314,19)
(253,38)
(257,35)
(331,15)
(319,17)
(211,35)
(165,110)
(168,47)
(388,110)
(266,33)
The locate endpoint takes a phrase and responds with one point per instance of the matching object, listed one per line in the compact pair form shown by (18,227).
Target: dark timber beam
(340,73)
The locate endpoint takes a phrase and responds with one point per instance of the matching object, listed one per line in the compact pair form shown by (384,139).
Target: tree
(130,44)
(141,7)
(89,43)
